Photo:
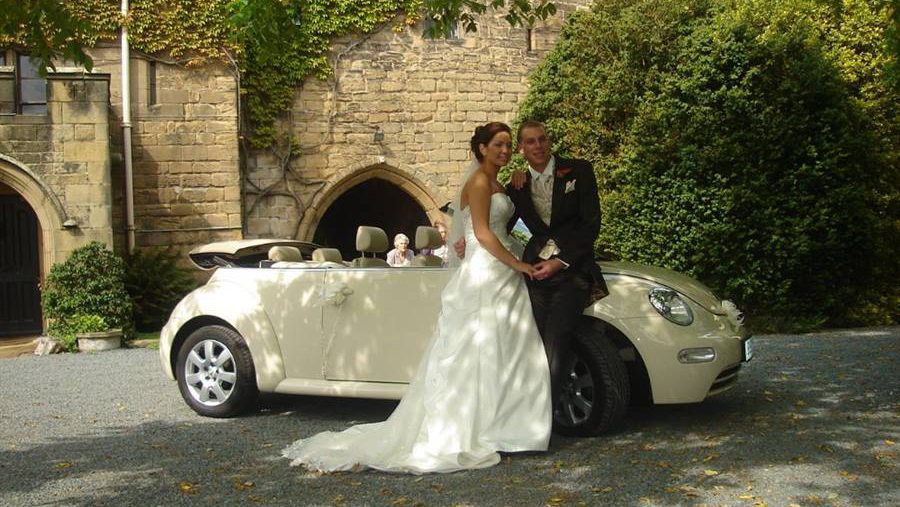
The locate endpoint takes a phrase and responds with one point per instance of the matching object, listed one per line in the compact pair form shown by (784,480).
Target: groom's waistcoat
(574,217)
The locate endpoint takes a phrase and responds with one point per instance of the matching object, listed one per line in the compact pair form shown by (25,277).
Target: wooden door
(20,298)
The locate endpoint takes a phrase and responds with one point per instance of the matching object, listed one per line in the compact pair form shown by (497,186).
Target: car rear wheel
(215,372)
(595,393)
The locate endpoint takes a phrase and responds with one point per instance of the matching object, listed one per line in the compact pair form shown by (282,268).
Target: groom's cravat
(542,196)
(542,191)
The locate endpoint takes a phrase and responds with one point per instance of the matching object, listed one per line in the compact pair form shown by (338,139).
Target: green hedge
(156,283)
(752,144)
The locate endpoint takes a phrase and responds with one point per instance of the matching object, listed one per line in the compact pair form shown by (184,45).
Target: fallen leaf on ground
(710,473)
(242,485)
(63,465)
(188,488)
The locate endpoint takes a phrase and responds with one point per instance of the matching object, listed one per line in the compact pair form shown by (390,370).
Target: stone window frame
(10,70)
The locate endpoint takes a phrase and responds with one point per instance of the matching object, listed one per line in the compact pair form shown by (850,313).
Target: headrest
(428,237)
(327,255)
(285,254)
(371,239)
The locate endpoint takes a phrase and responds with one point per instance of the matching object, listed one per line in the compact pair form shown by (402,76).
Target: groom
(559,204)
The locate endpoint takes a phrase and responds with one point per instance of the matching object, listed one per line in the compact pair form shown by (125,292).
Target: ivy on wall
(277,46)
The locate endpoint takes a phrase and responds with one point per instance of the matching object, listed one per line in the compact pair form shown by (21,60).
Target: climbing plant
(274,45)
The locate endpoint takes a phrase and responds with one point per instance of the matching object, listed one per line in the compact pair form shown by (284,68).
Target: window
(32,87)
(529,39)
(7,87)
(428,23)
(151,84)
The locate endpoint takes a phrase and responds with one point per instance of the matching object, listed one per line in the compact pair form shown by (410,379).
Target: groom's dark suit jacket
(574,217)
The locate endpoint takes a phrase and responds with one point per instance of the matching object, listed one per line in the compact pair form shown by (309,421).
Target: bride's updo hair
(484,134)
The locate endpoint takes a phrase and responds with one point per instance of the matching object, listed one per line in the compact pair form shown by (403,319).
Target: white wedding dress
(483,385)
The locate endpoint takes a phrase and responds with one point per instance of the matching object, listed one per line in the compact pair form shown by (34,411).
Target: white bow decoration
(734,315)
(335,293)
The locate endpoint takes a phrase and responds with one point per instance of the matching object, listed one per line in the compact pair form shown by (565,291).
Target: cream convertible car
(281,316)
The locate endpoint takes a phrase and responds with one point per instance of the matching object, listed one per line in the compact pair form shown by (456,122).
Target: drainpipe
(126,131)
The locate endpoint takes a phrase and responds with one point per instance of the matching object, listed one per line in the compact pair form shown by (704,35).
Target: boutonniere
(562,172)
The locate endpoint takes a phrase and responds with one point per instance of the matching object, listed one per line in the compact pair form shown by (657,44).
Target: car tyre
(595,395)
(215,372)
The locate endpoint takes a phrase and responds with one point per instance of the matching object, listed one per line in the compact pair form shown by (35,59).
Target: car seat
(430,238)
(370,240)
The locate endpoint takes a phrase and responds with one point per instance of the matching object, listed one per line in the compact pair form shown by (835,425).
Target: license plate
(748,350)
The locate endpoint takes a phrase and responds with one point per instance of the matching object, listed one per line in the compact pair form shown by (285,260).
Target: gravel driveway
(812,422)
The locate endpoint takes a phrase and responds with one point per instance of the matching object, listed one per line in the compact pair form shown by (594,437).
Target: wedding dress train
(483,385)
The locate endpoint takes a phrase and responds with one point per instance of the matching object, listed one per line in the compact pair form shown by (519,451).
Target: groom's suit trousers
(558,303)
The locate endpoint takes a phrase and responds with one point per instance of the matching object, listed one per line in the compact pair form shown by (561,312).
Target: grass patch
(147,340)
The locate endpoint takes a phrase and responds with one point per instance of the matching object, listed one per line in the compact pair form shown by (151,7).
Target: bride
(483,386)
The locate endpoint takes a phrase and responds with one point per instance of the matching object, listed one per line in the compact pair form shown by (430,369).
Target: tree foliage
(47,29)
(752,144)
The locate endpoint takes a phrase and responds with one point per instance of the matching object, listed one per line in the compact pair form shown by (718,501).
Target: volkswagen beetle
(284,316)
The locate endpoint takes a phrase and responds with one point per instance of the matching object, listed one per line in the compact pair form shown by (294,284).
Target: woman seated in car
(401,255)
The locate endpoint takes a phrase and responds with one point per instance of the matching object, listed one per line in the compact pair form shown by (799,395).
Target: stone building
(383,142)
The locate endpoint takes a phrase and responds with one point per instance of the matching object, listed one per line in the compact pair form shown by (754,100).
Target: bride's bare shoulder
(478,184)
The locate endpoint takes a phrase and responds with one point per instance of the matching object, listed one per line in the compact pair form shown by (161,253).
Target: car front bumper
(660,344)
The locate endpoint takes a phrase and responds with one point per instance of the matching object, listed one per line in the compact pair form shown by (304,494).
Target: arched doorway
(374,201)
(20,272)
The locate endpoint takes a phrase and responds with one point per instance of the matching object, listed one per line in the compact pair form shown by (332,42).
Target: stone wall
(60,163)
(424,96)
(184,151)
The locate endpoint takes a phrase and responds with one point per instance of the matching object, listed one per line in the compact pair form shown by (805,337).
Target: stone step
(15,347)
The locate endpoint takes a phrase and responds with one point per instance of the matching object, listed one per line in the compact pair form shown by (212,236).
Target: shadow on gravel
(804,425)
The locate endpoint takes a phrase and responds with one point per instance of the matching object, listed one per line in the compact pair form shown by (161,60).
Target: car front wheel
(215,372)
(595,393)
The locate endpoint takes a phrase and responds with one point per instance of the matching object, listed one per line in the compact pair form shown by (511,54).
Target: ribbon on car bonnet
(335,293)
(734,315)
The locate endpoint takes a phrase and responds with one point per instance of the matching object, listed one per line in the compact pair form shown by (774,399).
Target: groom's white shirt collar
(548,171)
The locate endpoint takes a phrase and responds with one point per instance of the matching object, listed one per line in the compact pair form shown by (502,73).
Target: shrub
(156,283)
(89,324)
(752,145)
(88,283)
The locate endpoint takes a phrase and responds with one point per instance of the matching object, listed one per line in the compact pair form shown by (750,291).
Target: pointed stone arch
(50,213)
(429,197)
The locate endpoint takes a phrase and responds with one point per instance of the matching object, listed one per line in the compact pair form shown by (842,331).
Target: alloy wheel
(576,397)
(210,372)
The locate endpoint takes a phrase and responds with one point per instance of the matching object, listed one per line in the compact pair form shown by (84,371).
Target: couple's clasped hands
(540,271)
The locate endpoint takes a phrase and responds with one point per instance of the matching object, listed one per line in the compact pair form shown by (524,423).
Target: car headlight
(671,305)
